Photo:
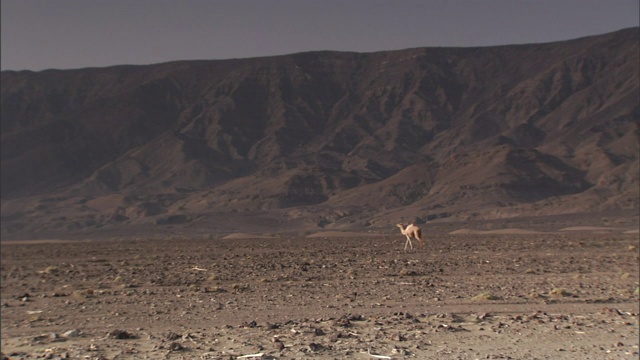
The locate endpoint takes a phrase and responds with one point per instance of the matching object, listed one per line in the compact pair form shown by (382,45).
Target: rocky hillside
(325,139)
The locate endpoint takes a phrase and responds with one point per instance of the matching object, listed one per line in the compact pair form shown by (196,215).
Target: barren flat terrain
(503,295)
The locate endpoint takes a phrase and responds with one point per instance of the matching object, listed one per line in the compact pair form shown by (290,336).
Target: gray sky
(66,34)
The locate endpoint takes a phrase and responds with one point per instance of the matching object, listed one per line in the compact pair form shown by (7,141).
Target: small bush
(559,292)
(535,295)
(215,289)
(407,272)
(239,287)
(83,294)
(485,296)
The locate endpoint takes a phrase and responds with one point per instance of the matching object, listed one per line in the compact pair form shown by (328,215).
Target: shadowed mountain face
(325,139)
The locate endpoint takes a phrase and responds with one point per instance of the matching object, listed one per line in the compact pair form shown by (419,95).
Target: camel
(411,231)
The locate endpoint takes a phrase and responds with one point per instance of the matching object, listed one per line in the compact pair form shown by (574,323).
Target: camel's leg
(409,243)
(418,237)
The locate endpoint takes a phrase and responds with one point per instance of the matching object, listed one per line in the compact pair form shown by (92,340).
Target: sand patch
(41,241)
(342,234)
(247,236)
(512,231)
(465,231)
(500,231)
(588,228)
(634,231)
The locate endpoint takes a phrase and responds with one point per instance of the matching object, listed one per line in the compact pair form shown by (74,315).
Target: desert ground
(567,293)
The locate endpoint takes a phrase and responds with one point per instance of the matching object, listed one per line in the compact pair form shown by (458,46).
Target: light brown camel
(411,231)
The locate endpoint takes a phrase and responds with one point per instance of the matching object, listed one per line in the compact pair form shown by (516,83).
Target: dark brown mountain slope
(326,139)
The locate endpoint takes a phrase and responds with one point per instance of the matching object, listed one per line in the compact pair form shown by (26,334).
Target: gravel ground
(463,296)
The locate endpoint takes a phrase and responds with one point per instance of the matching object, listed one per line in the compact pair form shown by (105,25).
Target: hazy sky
(64,34)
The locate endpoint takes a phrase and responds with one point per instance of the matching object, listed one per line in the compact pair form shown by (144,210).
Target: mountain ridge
(445,133)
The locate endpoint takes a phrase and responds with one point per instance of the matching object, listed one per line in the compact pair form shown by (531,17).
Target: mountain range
(324,140)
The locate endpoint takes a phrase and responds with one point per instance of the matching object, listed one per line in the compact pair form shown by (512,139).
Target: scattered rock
(71,333)
(175,346)
(345,320)
(172,336)
(279,345)
(313,347)
(251,324)
(120,335)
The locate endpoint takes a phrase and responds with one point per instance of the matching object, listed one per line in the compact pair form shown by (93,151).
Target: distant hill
(325,139)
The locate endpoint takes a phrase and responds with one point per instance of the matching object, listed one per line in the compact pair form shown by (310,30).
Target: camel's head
(401,226)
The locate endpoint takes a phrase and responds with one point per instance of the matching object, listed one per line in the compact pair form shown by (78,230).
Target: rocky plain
(483,293)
